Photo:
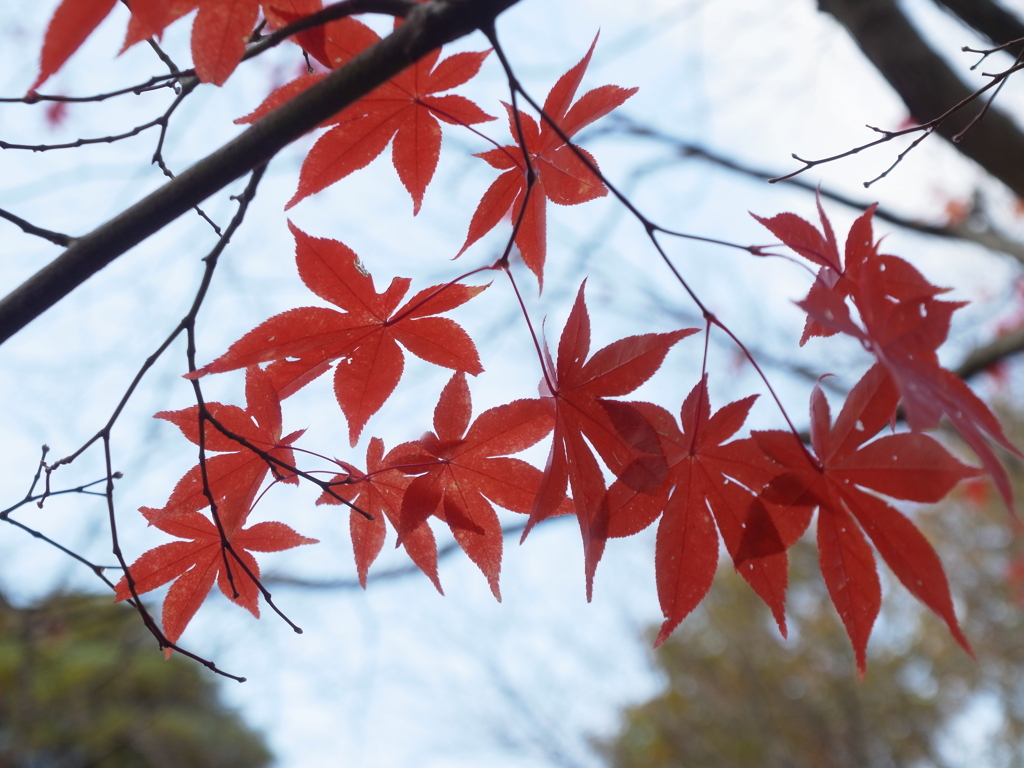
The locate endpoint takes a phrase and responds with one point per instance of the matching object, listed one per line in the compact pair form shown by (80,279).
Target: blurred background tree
(81,686)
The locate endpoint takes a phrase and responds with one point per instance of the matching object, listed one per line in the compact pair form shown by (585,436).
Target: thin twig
(987,237)
(155,83)
(57,238)
(104,435)
(887,136)
(189,323)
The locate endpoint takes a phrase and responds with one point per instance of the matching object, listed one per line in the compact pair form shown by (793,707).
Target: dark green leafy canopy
(80,685)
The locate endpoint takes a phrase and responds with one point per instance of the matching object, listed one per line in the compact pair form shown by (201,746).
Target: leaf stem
(533,335)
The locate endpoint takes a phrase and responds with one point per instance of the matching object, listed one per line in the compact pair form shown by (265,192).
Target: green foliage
(80,685)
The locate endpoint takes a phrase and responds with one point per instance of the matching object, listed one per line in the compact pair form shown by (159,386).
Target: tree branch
(427,27)
(929,87)
(57,238)
(995,351)
(987,237)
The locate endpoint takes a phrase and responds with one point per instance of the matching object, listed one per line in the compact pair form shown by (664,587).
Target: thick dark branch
(929,87)
(427,27)
(988,19)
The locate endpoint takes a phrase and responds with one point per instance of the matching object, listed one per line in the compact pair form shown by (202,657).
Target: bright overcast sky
(398,675)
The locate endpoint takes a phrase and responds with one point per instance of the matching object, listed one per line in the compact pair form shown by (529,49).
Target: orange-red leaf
(234,477)
(367,337)
(404,109)
(463,468)
(901,322)
(906,466)
(618,431)
(195,564)
(561,175)
(72,23)
(219,35)
(379,492)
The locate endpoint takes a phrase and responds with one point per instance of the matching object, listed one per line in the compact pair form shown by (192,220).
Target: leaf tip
(666,630)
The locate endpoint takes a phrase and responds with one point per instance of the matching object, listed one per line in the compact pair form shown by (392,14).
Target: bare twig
(104,434)
(155,83)
(928,85)
(57,238)
(925,129)
(186,324)
(986,236)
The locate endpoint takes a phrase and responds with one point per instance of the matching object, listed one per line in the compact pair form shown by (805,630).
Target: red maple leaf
(818,248)
(236,472)
(71,24)
(405,109)
(462,468)
(219,36)
(151,17)
(711,482)
(220,32)
(333,43)
(367,335)
(584,416)
(195,564)
(561,176)
(908,465)
(379,492)
(901,322)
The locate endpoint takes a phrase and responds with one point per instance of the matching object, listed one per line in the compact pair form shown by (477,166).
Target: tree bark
(987,19)
(427,27)
(929,87)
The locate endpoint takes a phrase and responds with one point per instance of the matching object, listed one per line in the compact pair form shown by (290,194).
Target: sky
(399,675)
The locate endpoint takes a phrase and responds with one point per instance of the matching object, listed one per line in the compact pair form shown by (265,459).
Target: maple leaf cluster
(219,35)
(218,548)
(618,465)
(405,112)
(756,495)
